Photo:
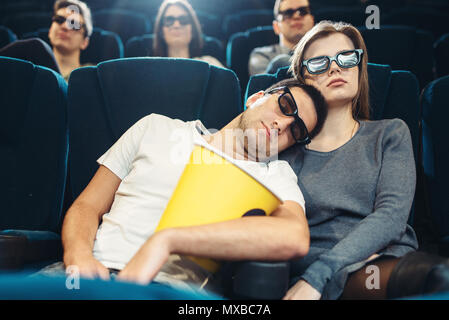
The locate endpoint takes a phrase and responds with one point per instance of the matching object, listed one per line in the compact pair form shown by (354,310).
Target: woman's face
(177,27)
(338,85)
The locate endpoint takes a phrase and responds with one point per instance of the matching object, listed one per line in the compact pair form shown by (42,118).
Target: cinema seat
(103,45)
(354,15)
(23,287)
(245,20)
(125,23)
(240,46)
(142,46)
(6,36)
(106,100)
(404,48)
(429,19)
(435,156)
(441,52)
(24,22)
(33,158)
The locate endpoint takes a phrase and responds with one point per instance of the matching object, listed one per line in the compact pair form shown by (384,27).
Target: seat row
(128,22)
(404,48)
(51,134)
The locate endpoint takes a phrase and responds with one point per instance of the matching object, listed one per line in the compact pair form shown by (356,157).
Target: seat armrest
(24,248)
(255,279)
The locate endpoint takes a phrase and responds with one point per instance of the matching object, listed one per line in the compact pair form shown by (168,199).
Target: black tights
(414,274)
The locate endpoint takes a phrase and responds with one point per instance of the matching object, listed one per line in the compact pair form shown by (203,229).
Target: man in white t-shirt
(139,173)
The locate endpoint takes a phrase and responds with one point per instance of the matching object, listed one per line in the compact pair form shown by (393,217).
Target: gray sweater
(358,199)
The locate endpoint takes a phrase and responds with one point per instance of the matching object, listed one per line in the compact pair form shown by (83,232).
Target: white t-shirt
(149,158)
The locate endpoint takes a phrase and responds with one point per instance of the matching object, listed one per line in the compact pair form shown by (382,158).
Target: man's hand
(89,267)
(147,262)
(302,291)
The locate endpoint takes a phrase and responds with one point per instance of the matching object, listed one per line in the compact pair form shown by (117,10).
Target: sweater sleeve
(387,223)
(258,62)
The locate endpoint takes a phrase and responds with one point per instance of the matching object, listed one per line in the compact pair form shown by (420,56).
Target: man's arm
(82,221)
(282,236)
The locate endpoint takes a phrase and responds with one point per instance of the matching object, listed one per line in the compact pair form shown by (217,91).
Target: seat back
(24,22)
(33,145)
(142,46)
(245,20)
(393,94)
(404,48)
(435,158)
(441,52)
(431,20)
(240,46)
(103,45)
(106,100)
(354,15)
(6,36)
(125,23)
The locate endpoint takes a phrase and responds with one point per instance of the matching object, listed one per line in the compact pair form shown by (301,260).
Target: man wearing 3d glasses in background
(69,34)
(292,20)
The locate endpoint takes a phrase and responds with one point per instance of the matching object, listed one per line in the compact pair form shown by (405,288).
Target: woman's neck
(67,62)
(179,52)
(338,129)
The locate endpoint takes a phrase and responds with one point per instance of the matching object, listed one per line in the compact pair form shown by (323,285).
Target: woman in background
(177,33)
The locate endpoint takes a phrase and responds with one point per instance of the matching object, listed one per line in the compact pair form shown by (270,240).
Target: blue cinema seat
(33,158)
(435,158)
(430,19)
(125,23)
(403,48)
(240,46)
(354,15)
(23,287)
(103,45)
(24,22)
(441,52)
(106,100)
(6,36)
(245,20)
(142,46)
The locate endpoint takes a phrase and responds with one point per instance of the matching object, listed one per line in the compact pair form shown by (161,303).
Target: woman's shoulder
(387,126)
(387,130)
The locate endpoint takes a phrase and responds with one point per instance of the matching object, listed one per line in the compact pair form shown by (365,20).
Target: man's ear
(254,97)
(85,43)
(276,27)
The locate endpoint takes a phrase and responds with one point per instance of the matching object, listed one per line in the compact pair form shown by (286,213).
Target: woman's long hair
(159,44)
(360,103)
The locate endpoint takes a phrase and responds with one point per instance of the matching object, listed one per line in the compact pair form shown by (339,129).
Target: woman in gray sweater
(358,179)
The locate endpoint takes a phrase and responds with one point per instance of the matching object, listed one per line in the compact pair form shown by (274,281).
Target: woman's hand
(302,291)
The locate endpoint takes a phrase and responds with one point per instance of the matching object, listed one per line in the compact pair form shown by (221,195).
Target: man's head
(292,20)
(288,112)
(71,26)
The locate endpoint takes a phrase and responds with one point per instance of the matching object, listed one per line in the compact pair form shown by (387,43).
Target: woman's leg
(414,274)
(359,282)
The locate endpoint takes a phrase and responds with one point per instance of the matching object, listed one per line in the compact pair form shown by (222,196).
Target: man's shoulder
(266,50)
